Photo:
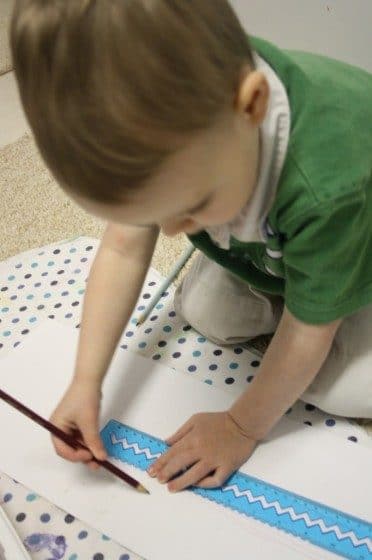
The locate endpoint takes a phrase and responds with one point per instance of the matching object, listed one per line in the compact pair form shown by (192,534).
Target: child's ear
(253,96)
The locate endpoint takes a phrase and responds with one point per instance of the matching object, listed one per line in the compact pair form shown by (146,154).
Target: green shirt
(318,247)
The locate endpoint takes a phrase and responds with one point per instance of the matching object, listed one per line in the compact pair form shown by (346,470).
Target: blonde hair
(111,88)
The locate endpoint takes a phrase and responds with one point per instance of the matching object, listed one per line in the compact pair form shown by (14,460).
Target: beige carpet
(35,211)
(5,13)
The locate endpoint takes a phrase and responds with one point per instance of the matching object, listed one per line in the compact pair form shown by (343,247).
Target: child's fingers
(216,479)
(93,441)
(185,429)
(69,453)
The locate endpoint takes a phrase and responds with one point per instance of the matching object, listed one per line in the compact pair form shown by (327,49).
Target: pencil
(71,441)
(166,283)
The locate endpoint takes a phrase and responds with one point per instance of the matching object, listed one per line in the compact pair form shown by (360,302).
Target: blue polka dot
(34,265)
(167,328)
(30,296)
(8,497)
(47,295)
(5,309)
(134,321)
(181,340)
(73,557)
(213,367)
(72,250)
(124,557)
(192,368)
(147,331)
(11,277)
(196,353)
(67,261)
(7,333)
(51,263)
(233,365)
(15,320)
(45,517)
(37,285)
(201,339)
(105,538)
(142,345)
(19,265)
(129,334)
(31,497)
(64,294)
(32,319)
(160,306)
(208,381)
(34,539)
(77,271)
(82,535)
(71,282)
(68,315)
(330,422)
(141,308)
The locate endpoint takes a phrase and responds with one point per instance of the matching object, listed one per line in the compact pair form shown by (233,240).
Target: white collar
(274,131)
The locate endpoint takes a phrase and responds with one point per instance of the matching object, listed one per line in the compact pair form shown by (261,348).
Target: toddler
(164,115)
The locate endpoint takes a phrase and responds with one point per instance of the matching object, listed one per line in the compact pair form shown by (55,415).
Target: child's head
(143,109)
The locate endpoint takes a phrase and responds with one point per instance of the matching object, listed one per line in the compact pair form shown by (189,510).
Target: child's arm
(114,284)
(293,359)
(216,444)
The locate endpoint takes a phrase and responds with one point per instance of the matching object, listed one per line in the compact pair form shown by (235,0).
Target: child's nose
(187,226)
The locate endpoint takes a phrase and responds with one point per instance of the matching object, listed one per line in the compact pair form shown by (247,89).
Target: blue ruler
(314,522)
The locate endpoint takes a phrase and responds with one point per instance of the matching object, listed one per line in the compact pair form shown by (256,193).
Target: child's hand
(211,444)
(77,414)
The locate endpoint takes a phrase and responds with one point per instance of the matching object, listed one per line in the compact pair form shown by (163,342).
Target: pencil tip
(142,489)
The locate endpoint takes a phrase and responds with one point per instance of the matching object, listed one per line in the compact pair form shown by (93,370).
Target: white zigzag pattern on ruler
(294,516)
(137,450)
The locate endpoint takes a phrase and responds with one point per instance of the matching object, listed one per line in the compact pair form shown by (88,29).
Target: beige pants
(227,310)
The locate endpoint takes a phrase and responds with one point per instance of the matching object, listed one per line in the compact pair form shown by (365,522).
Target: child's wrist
(248,431)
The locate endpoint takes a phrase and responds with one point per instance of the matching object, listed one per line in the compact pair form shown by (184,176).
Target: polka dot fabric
(49,532)
(48,284)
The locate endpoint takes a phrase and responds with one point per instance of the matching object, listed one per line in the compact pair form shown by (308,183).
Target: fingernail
(151,471)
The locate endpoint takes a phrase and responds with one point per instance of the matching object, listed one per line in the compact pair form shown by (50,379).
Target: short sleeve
(328,260)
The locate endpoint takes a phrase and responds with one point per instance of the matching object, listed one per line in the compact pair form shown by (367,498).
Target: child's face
(204,184)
